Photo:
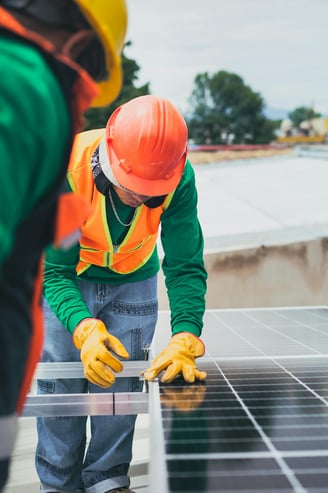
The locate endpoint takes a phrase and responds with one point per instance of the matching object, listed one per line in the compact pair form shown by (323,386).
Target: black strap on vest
(101,181)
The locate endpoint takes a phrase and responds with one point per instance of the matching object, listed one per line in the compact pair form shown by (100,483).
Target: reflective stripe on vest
(96,246)
(8,432)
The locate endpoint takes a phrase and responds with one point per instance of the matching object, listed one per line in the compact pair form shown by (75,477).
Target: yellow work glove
(96,344)
(178,358)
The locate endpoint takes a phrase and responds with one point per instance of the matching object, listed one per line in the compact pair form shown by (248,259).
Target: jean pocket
(46,386)
(135,309)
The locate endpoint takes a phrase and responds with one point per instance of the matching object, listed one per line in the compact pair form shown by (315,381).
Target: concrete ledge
(293,274)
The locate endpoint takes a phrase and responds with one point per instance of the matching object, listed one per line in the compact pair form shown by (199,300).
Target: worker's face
(131,198)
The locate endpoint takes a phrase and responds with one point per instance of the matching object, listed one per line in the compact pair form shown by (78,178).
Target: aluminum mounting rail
(75,370)
(108,403)
(114,403)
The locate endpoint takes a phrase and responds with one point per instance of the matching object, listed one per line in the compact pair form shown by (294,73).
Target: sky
(278,47)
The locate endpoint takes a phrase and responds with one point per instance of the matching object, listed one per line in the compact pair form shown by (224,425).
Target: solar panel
(260,421)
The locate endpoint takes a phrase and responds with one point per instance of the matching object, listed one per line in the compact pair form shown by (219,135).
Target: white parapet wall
(294,274)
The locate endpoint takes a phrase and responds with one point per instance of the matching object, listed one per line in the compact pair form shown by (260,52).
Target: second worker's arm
(185,278)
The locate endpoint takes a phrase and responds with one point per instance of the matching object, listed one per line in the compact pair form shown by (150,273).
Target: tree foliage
(97,117)
(224,109)
(302,113)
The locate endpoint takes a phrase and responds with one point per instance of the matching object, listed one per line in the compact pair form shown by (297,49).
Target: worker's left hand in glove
(178,358)
(97,345)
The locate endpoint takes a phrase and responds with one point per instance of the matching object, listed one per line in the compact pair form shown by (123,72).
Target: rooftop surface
(261,201)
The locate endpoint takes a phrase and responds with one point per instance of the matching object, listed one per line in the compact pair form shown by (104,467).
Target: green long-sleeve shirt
(183,266)
(34,131)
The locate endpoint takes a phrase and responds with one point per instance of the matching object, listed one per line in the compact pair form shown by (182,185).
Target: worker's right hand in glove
(97,346)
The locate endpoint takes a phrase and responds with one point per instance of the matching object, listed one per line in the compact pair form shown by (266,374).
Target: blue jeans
(64,460)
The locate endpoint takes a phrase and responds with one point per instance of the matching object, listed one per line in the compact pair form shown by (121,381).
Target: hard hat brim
(152,188)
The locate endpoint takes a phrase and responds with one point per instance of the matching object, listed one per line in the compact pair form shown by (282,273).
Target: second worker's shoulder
(188,175)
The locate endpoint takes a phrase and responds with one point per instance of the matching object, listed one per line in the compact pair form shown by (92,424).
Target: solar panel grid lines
(259,423)
(242,333)
(252,436)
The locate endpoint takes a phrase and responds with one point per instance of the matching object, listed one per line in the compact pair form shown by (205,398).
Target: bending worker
(52,52)
(103,292)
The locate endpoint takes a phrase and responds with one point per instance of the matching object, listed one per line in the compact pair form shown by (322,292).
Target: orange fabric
(85,88)
(36,343)
(9,22)
(72,211)
(96,246)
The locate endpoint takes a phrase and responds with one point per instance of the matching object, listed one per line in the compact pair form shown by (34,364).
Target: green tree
(224,109)
(302,113)
(97,117)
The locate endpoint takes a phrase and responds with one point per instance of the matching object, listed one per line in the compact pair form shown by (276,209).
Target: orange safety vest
(71,210)
(96,246)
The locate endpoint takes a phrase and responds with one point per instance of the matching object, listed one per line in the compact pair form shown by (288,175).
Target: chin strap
(101,181)
(155,202)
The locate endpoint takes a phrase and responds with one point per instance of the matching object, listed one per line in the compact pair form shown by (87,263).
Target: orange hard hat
(146,141)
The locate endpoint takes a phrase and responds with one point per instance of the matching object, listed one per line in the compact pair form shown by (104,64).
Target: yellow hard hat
(109,19)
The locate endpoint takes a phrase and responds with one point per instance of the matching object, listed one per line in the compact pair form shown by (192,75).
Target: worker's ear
(77,43)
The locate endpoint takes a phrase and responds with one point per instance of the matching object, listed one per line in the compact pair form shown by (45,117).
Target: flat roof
(264,200)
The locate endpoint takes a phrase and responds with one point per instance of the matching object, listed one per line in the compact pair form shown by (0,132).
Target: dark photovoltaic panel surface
(259,423)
